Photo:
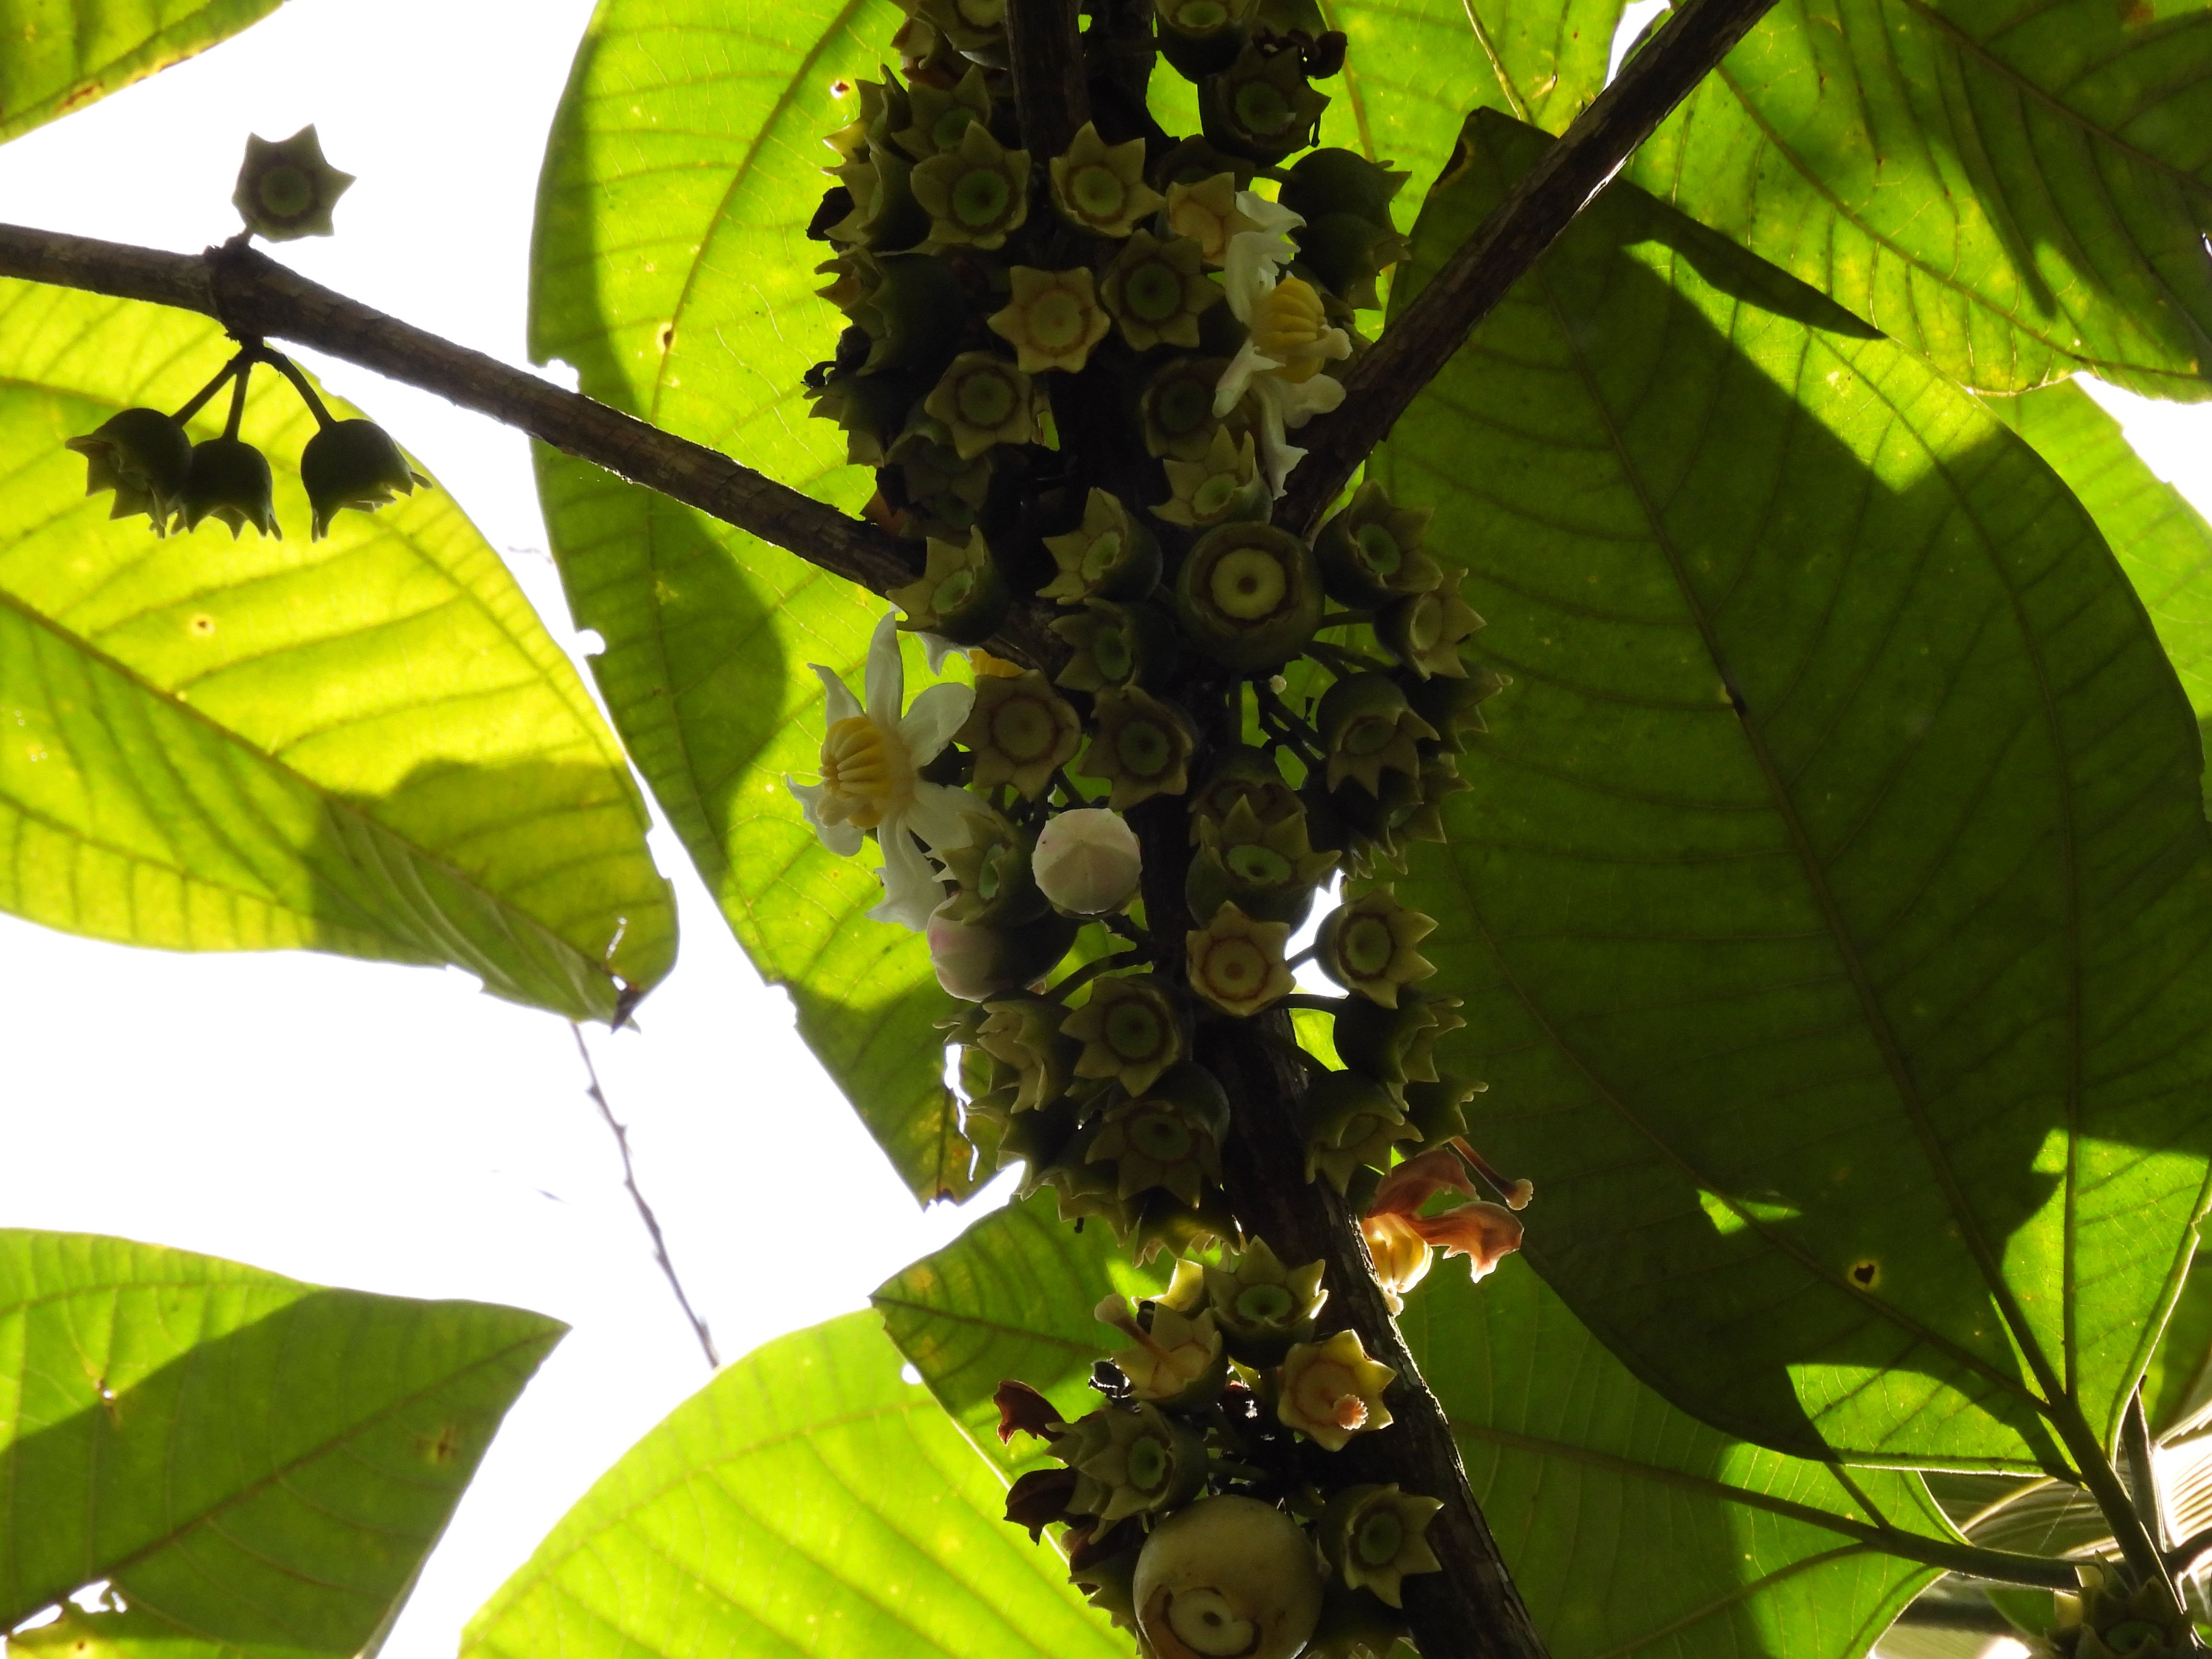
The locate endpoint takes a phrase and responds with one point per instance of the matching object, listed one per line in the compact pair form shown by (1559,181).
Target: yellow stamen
(1289,326)
(867,773)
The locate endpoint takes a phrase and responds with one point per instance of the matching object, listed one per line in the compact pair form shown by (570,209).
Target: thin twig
(644,1210)
(1422,338)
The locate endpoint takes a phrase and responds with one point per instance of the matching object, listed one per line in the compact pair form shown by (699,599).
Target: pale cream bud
(1087,861)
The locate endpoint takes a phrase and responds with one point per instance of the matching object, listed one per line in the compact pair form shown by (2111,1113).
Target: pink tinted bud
(1086,861)
(966,959)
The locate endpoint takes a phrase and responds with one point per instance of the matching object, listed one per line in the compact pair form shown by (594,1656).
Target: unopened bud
(1087,861)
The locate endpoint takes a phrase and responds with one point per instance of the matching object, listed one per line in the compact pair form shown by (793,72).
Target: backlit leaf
(64,54)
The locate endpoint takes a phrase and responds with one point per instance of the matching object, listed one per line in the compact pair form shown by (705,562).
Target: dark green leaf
(1831,900)
(366,744)
(64,54)
(256,1466)
(806,1502)
(2013,189)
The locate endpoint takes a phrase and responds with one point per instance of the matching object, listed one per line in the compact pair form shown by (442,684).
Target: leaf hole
(201,624)
(1865,1274)
(667,337)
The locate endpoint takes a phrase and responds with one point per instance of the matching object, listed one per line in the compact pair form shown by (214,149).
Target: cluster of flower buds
(285,190)
(1077,376)
(1200,1504)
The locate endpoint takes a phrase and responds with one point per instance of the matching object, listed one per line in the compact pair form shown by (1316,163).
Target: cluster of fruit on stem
(1076,376)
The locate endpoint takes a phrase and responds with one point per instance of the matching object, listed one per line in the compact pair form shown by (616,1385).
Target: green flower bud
(1249,594)
(975,193)
(911,305)
(142,455)
(973,963)
(1176,407)
(1349,1121)
(1227,1576)
(1246,776)
(940,114)
(1052,321)
(1168,1138)
(944,490)
(887,215)
(1261,105)
(1139,744)
(1109,555)
(870,409)
(1374,1536)
(1022,1034)
(1425,820)
(1396,1045)
(1130,1031)
(287,189)
(1194,160)
(960,593)
(1135,1461)
(1366,945)
(1261,1306)
(229,482)
(1101,187)
(983,400)
(1425,632)
(997,886)
(1355,825)
(1453,705)
(1371,552)
(1201,37)
(1236,962)
(1102,1563)
(1021,732)
(1286,18)
(353,464)
(1346,254)
(1333,181)
(1115,645)
(1331,1390)
(1157,291)
(1368,728)
(973,28)
(1267,871)
(1439,1110)
(1222,487)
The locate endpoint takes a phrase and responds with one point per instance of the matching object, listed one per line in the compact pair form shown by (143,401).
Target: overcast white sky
(389,1128)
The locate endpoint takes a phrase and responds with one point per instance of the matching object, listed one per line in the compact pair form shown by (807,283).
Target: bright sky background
(389,1128)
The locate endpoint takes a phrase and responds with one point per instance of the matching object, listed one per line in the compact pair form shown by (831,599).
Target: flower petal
(886,678)
(841,704)
(1483,1232)
(941,815)
(935,648)
(912,887)
(936,714)
(1236,379)
(1247,271)
(1417,1180)
(842,839)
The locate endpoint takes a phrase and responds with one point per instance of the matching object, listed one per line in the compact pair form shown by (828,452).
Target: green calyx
(1131,1460)
(353,464)
(959,595)
(1177,408)
(1052,319)
(1269,870)
(995,887)
(974,193)
(1424,631)
(1261,106)
(983,400)
(1023,1035)
(1372,554)
(938,115)
(286,191)
(1453,704)
(1396,1045)
(1157,291)
(1439,1110)
(1109,555)
(229,482)
(1100,187)
(911,305)
(1168,1138)
(1246,777)
(1140,746)
(1345,253)
(1261,1307)
(1331,181)
(1374,1536)
(1367,944)
(886,216)
(1349,1121)
(1368,728)
(1248,595)
(869,410)
(1019,730)
(1115,645)
(144,457)
(945,492)
(1130,1029)
(1201,37)
(1225,487)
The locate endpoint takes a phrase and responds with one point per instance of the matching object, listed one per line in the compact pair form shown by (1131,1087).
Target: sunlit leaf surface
(255,1466)
(807,1501)
(367,744)
(1831,902)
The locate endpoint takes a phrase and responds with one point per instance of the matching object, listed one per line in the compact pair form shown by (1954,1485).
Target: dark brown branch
(644,1210)
(1422,339)
(1045,53)
(253,296)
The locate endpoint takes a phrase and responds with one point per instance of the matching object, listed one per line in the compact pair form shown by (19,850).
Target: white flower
(1087,861)
(1289,337)
(1273,221)
(871,758)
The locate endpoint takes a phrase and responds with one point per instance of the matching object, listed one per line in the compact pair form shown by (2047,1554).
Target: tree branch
(1422,338)
(254,297)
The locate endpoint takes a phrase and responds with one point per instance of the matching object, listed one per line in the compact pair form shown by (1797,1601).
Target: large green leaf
(63,54)
(672,269)
(2013,187)
(2159,539)
(256,1466)
(806,1501)
(366,744)
(1832,900)
(1628,1526)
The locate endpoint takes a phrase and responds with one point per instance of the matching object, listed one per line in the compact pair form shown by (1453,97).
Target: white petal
(911,887)
(935,648)
(936,714)
(886,679)
(1277,455)
(942,815)
(1236,379)
(1272,218)
(1247,272)
(1300,401)
(842,839)
(841,704)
